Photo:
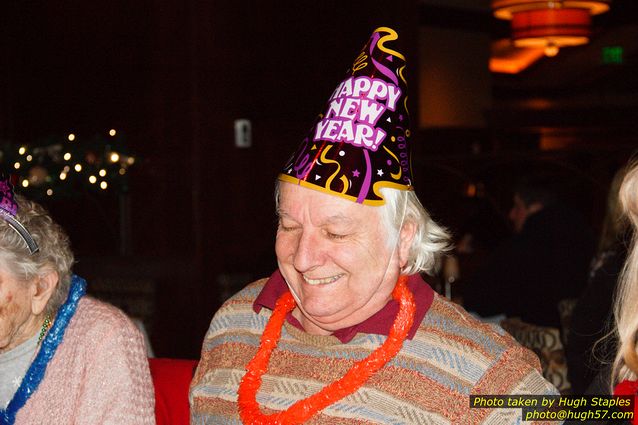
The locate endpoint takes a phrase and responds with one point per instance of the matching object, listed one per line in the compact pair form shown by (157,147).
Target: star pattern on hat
(379,172)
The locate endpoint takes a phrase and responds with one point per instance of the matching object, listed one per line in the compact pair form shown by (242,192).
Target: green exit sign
(612,55)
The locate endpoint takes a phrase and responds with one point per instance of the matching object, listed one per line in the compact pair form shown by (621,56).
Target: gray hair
(54,255)
(430,240)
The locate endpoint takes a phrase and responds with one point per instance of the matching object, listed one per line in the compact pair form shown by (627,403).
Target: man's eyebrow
(339,218)
(333,219)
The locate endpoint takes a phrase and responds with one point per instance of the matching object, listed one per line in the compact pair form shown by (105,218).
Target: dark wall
(173,76)
(274,63)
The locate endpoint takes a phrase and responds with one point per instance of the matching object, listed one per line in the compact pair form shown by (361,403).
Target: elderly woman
(346,331)
(65,358)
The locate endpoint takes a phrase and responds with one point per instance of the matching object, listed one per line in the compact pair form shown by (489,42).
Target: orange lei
(354,378)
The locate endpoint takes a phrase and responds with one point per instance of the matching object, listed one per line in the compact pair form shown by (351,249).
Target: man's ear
(406,236)
(43,289)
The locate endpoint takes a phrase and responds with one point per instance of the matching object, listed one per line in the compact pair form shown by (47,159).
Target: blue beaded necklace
(53,338)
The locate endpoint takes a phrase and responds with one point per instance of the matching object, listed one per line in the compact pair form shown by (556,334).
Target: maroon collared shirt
(379,323)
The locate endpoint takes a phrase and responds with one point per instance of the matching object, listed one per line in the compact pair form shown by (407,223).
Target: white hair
(430,240)
(54,254)
(626,300)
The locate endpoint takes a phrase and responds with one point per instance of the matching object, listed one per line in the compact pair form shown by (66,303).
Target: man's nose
(309,252)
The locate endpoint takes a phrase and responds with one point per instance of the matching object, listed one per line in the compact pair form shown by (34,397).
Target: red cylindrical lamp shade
(560,27)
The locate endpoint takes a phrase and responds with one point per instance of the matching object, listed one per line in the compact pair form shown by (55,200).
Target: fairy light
(69,162)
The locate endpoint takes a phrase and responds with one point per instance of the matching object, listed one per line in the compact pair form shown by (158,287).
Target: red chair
(172,378)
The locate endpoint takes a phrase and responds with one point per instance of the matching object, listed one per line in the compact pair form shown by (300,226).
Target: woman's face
(335,257)
(17,323)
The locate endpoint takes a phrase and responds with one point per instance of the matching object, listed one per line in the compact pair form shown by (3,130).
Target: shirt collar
(379,323)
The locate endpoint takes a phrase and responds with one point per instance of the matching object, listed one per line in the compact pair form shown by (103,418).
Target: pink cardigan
(99,374)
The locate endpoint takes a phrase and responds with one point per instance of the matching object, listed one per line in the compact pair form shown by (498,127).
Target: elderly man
(346,331)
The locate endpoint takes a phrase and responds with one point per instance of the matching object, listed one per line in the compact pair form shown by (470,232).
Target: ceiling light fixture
(549,24)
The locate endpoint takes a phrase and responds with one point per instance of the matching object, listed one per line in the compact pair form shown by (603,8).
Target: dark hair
(540,189)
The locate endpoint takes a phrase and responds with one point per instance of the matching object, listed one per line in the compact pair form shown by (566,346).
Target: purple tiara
(8,212)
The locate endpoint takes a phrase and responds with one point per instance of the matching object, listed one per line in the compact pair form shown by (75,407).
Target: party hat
(360,143)
(9,210)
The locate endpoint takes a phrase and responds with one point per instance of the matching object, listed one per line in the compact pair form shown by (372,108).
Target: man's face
(520,212)
(335,257)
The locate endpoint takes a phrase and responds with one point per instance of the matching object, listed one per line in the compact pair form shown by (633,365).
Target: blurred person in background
(624,376)
(592,317)
(544,262)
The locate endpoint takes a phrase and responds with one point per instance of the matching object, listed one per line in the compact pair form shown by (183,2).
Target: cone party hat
(360,142)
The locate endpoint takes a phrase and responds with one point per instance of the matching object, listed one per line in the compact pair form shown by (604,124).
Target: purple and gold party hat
(8,212)
(360,143)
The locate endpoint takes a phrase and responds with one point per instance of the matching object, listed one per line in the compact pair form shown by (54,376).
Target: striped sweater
(451,357)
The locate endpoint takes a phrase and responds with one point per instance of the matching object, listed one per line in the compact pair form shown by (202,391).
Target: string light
(59,169)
